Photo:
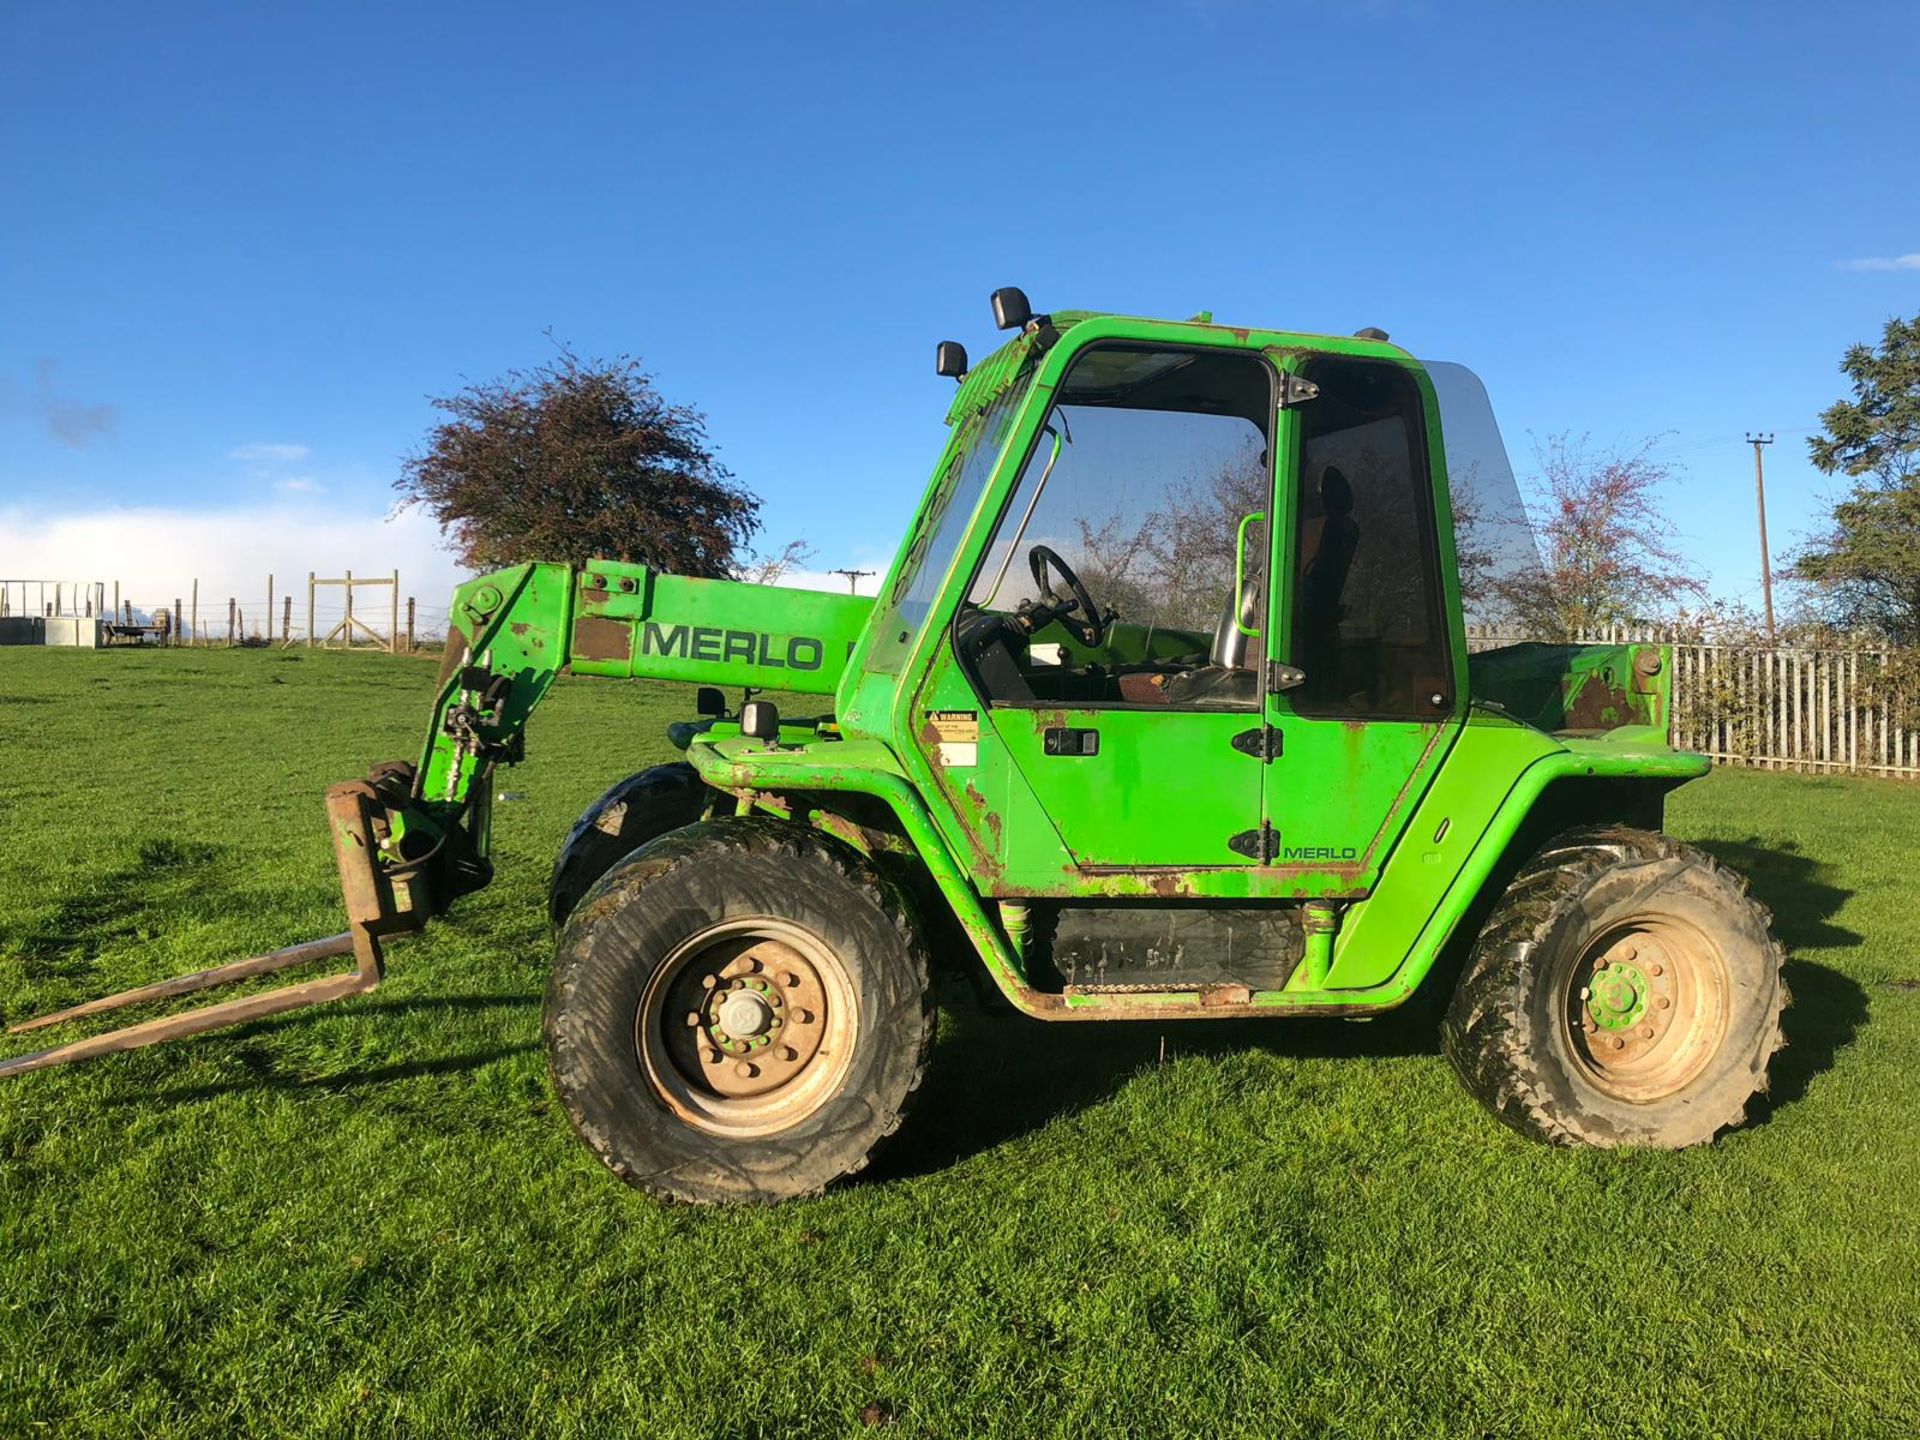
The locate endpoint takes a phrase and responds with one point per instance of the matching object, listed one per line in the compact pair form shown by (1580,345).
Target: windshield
(942,525)
(1492,536)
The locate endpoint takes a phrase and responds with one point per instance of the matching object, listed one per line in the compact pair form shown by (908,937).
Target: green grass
(372,1218)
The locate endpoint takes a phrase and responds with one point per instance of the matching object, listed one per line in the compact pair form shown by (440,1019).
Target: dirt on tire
(1514,1031)
(663,898)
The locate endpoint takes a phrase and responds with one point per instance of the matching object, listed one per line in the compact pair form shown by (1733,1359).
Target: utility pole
(854,578)
(1759,442)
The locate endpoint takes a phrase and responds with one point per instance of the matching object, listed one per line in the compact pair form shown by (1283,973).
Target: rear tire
(640,808)
(1625,991)
(741,1011)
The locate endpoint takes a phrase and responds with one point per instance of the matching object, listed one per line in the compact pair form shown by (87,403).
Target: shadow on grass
(268,1075)
(269,1070)
(1793,885)
(118,907)
(996,1077)
(1828,1007)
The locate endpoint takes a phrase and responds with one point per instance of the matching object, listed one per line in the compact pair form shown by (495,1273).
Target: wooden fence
(1779,709)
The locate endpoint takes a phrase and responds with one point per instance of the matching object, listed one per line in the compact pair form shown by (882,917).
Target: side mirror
(950,359)
(1010,308)
(760,720)
(708,700)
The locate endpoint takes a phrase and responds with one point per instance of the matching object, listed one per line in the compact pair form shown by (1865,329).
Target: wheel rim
(747,1028)
(1646,1008)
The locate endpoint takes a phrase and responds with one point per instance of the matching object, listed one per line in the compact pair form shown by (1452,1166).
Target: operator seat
(1323,584)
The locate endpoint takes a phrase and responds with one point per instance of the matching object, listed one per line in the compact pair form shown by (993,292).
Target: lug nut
(1646,1032)
(1619,1043)
(713,1057)
(1663,1002)
(746,1070)
(754,966)
(805,1017)
(1588,1026)
(693,1019)
(1655,970)
(1627,952)
(1585,993)
(789,1054)
(790,980)
(707,982)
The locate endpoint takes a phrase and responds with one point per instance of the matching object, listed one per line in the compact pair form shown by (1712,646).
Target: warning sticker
(955,726)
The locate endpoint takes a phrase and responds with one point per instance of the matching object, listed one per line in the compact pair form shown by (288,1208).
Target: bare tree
(757,567)
(1608,552)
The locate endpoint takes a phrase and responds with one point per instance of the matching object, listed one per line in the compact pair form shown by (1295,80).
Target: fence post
(309,609)
(174,639)
(393,625)
(1853,711)
(230,611)
(409,624)
(286,622)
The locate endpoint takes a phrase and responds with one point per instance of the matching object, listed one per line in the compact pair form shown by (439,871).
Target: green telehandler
(1166,710)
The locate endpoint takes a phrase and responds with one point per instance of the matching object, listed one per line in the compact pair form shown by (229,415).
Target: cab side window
(1148,464)
(1369,611)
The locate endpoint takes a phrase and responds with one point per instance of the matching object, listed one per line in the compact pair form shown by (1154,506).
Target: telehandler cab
(1165,710)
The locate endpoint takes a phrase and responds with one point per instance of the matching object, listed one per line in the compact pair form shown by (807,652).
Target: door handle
(1065,740)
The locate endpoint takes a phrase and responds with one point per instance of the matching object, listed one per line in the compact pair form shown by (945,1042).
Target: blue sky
(242,244)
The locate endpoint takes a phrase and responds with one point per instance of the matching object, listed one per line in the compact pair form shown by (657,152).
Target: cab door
(1371,691)
(1151,480)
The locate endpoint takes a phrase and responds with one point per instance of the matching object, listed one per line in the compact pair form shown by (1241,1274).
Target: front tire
(1625,991)
(640,808)
(741,1011)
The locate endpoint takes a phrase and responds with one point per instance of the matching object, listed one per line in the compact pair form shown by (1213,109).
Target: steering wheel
(1090,629)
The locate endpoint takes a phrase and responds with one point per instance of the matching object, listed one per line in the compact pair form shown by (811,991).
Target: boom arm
(513,631)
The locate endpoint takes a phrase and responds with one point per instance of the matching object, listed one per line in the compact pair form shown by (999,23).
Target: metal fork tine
(210,1017)
(327,949)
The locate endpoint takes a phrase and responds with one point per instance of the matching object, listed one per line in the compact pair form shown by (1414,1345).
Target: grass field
(372,1218)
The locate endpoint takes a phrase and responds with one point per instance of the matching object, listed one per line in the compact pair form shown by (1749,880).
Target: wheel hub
(1647,1009)
(754,1018)
(745,1015)
(1617,996)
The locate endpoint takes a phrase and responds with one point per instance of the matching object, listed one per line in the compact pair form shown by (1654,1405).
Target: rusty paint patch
(1600,705)
(595,638)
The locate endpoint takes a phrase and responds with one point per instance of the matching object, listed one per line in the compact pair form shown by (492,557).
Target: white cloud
(156,554)
(301,485)
(1883,262)
(281,454)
